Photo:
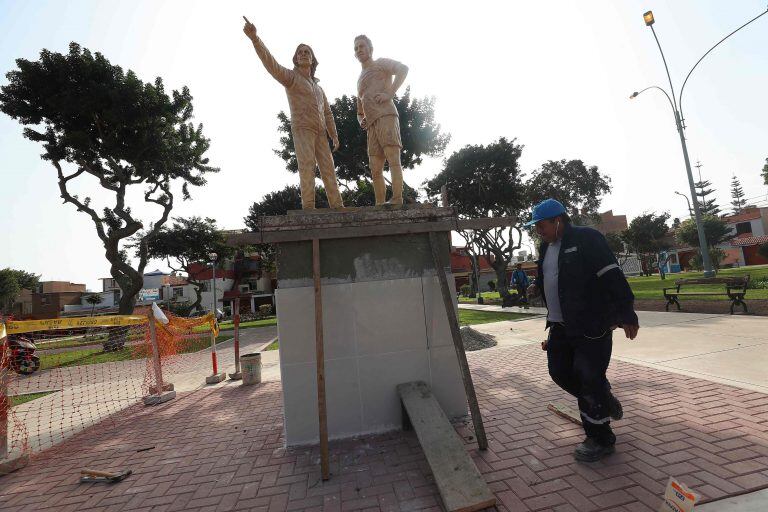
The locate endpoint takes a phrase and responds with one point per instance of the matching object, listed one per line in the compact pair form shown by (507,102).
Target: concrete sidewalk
(722,348)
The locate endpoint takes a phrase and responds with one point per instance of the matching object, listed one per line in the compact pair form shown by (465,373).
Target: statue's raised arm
(280,73)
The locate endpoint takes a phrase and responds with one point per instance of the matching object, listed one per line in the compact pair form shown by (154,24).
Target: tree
(716,231)
(737,195)
(95,120)
(486,181)
(578,187)
(616,244)
(764,172)
(11,283)
(420,134)
(93,299)
(188,243)
(646,236)
(706,206)
(762,250)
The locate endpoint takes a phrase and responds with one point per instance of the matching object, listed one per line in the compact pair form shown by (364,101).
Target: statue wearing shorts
(377,114)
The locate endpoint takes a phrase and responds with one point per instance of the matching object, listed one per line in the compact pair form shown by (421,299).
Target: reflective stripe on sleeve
(606,269)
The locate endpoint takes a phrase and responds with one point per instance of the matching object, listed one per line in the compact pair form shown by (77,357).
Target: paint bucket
(251,368)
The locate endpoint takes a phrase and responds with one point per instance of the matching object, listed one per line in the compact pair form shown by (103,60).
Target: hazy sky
(554,75)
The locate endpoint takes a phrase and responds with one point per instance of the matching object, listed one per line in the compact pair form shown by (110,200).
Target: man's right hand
(249,29)
(364,124)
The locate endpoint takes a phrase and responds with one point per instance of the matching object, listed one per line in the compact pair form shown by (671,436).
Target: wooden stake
(458,344)
(155,353)
(5,403)
(320,355)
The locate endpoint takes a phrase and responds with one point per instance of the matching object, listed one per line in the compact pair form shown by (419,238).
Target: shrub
(492,285)
(465,290)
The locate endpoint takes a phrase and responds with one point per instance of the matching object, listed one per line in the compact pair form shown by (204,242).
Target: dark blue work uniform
(594,296)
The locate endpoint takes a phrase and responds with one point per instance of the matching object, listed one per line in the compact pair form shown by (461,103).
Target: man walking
(587,296)
(311,118)
(377,115)
(521,282)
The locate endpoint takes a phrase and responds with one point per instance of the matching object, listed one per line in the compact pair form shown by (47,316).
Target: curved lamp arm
(638,93)
(682,118)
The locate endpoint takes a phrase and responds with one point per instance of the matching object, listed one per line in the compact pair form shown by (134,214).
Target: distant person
(587,296)
(521,282)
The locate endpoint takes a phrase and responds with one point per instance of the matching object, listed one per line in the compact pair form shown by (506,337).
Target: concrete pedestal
(384,324)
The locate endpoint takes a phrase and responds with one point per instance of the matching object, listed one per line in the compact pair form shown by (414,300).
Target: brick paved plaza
(221,449)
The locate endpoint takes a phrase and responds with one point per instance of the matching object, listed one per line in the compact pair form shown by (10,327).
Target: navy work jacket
(594,293)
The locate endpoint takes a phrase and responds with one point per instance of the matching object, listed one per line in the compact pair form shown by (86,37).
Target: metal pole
(322,412)
(704,248)
(236,320)
(155,353)
(213,334)
(5,403)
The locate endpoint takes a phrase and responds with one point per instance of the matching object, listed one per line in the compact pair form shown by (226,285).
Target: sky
(555,75)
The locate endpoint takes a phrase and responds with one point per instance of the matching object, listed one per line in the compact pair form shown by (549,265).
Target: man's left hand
(381,97)
(335,144)
(631,331)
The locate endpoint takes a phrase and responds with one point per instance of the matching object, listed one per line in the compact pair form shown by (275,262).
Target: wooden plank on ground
(461,485)
(566,412)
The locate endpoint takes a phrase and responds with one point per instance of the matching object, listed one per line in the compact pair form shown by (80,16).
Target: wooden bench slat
(461,485)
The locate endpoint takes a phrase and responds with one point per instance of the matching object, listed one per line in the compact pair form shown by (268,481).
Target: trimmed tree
(95,120)
(646,236)
(186,245)
(11,283)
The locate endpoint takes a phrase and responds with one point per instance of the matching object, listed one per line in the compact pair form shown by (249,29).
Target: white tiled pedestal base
(377,334)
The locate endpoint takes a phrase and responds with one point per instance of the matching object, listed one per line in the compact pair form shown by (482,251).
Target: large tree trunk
(502,283)
(130,281)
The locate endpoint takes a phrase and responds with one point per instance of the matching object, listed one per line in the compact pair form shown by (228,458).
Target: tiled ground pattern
(221,449)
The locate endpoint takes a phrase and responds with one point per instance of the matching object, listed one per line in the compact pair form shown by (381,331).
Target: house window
(178,292)
(743,227)
(45,300)
(673,259)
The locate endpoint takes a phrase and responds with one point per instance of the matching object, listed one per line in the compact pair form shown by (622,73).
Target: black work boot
(615,411)
(592,451)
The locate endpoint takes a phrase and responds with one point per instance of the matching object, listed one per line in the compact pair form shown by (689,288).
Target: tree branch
(81,207)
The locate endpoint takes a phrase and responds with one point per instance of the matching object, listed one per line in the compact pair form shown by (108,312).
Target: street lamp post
(690,210)
(216,376)
(680,124)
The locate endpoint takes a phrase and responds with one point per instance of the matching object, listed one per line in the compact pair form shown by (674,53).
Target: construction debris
(474,340)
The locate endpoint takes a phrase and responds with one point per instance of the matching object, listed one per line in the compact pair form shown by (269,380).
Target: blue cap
(546,209)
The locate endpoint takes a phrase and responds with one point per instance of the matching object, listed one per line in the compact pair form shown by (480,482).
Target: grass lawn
(96,356)
(264,322)
(22,399)
(472,317)
(651,287)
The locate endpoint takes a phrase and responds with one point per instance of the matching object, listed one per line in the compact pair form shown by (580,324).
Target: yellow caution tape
(22,326)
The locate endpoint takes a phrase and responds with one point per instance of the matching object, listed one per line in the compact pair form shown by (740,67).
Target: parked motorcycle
(21,356)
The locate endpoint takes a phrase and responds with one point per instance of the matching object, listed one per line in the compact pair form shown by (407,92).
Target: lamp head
(648,18)
(633,95)
(213,256)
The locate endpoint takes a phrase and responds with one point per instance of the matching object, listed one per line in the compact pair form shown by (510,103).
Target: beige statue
(311,118)
(377,114)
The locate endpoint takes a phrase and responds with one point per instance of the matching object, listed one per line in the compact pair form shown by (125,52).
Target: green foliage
(646,233)
(492,285)
(716,231)
(763,250)
(737,195)
(615,243)
(188,243)
(94,119)
(11,283)
(716,256)
(578,187)
(484,181)
(706,206)
(465,290)
(764,172)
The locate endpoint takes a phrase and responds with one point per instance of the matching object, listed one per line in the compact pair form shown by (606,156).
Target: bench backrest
(730,282)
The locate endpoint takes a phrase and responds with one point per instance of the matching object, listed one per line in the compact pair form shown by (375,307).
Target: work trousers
(578,364)
(313,151)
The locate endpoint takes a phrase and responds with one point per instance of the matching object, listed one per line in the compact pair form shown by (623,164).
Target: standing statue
(377,114)
(311,118)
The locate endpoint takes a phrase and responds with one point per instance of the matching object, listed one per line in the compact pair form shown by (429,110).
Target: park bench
(735,288)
